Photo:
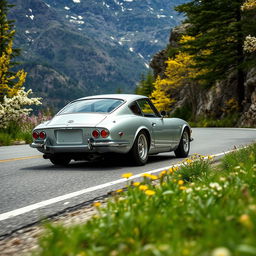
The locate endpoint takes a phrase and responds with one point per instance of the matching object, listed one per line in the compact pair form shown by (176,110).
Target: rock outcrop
(217,101)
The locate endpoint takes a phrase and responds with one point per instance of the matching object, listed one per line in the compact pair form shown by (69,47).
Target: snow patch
(141,55)
(30,10)
(112,38)
(160,16)
(146,64)
(104,4)
(27,32)
(128,0)
(76,1)
(80,17)
(76,21)
(67,8)
(32,17)
(131,49)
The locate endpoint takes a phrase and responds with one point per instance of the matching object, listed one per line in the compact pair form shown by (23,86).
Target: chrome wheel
(184,145)
(142,147)
(139,150)
(185,139)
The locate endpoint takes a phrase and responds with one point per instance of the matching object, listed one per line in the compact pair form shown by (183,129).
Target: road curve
(26,179)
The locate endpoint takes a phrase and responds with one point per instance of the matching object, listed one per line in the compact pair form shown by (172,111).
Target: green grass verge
(198,210)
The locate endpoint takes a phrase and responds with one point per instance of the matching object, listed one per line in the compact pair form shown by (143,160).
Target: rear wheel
(61,160)
(139,151)
(184,145)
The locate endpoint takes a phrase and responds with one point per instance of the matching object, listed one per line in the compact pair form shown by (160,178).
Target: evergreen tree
(146,85)
(10,82)
(6,29)
(217,26)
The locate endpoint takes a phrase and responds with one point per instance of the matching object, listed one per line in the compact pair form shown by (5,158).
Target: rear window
(92,106)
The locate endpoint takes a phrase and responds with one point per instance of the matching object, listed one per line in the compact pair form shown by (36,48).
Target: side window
(135,109)
(147,109)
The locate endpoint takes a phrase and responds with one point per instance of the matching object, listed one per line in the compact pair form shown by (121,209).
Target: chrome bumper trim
(37,145)
(109,143)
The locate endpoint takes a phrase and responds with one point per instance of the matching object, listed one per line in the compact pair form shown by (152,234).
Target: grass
(197,210)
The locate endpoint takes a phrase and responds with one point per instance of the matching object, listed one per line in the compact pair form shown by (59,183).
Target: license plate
(69,136)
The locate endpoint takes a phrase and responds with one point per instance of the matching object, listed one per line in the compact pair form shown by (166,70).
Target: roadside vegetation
(15,101)
(197,209)
(217,41)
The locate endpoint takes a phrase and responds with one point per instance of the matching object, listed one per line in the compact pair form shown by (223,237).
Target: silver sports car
(93,126)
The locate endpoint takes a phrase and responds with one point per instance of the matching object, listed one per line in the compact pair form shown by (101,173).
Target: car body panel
(72,133)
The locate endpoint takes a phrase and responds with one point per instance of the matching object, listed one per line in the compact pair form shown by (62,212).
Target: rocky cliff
(217,101)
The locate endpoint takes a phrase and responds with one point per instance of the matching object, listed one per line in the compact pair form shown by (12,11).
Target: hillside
(73,48)
(215,103)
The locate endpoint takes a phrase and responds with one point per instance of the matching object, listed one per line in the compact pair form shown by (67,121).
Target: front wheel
(139,151)
(60,160)
(184,145)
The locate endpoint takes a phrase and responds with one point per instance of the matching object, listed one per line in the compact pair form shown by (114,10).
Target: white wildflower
(250,44)
(221,251)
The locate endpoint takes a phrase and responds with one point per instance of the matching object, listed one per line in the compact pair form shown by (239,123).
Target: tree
(10,81)
(217,26)
(13,97)
(249,9)
(7,31)
(180,72)
(160,98)
(146,85)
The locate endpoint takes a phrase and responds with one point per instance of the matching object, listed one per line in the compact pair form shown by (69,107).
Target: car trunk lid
(78,120)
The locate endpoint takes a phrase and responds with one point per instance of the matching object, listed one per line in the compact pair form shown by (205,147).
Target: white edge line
(29,208)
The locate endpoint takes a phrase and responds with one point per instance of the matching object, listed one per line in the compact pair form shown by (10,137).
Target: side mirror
(163,113)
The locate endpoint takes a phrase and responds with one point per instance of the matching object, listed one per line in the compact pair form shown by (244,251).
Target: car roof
(126,97)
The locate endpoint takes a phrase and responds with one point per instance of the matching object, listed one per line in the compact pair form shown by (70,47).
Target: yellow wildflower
(246,220)
(189,161)
(147,175)
(180,182)
(150,192)
(182,188)
(153,177)
(171,170)
(143,187)
(136,184)
(97,204)
(119,191)
(127,175)
(162,173)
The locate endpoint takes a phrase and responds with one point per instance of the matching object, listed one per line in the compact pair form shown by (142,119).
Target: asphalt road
(26,179)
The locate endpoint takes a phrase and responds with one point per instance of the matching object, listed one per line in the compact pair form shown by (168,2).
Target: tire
(61,160)
(139,151)
(184,145)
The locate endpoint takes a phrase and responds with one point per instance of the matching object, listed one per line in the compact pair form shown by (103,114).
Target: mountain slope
(81,47)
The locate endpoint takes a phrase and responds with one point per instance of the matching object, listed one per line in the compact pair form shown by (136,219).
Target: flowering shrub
(14,109)
(250,44)
(248,5)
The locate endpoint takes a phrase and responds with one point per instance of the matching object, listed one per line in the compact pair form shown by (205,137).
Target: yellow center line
(20,158)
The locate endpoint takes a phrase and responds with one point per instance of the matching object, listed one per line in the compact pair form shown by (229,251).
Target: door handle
(153,124)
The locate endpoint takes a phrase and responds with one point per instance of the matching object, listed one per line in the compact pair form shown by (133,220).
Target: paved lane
(26,178)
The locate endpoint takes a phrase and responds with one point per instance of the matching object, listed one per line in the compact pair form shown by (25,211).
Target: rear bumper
(91,147)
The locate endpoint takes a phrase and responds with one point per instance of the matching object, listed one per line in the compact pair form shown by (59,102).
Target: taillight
(96,134)
(104,133)
(42,135)
(35,135)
